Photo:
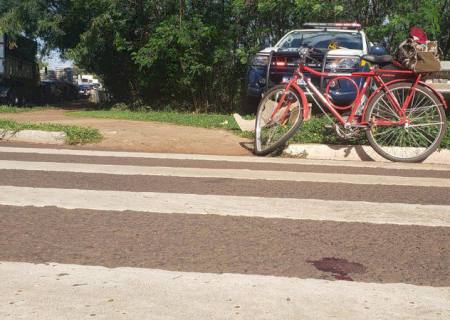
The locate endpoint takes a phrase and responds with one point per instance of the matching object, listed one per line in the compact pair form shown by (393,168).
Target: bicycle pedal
(329,126)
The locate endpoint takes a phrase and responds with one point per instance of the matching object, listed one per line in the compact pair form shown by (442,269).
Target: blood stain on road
(339,268)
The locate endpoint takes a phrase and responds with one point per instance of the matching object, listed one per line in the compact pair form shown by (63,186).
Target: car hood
(336,52)
(268,50)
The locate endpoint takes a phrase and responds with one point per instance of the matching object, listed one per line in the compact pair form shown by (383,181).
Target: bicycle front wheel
(279,115)
(414,140)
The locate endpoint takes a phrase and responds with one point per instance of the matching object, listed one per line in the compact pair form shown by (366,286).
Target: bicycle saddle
(377,59)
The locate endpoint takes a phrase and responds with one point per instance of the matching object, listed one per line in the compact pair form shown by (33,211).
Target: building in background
(60,74)
(65,74)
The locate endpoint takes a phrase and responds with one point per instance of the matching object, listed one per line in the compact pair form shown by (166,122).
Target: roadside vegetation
(13,109)
(313,131)
(202,120)
(75,134)
(195,54)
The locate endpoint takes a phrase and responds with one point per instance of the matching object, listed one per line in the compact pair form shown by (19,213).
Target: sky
(54,61)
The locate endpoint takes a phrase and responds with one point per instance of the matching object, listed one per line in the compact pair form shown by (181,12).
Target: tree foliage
(194,54)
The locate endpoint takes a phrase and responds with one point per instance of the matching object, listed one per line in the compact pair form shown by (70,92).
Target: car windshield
(322,40)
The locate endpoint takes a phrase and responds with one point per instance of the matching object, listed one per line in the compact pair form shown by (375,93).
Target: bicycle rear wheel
(273,130)
(415,140)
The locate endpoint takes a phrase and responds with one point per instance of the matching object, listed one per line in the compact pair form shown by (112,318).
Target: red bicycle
(404,119)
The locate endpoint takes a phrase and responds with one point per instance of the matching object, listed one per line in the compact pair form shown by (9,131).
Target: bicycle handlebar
(305,53)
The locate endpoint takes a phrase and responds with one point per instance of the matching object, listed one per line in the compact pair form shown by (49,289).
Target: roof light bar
(338,25)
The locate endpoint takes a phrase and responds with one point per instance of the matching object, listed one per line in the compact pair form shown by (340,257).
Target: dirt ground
(145,136)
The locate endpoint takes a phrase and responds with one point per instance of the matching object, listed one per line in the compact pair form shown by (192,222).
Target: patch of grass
(316,131)
(312,131)
(202,120)
(13,109)
(75,134)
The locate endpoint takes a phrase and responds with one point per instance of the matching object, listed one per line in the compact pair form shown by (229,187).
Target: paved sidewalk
(145,136)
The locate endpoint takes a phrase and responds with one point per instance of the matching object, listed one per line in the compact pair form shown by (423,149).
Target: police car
(340,47)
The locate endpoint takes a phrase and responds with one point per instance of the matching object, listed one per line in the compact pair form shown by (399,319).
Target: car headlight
(260,60)
(343,63)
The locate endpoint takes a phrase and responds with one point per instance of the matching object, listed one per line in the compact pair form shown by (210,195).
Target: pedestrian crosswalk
(241,174)
(287,208)
(118,235)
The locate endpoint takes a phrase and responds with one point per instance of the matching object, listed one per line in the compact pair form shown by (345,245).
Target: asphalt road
(350,232)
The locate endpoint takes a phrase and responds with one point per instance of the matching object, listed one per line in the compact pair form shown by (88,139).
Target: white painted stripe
(174,156)
(299,209)
(61,291)
(225,173)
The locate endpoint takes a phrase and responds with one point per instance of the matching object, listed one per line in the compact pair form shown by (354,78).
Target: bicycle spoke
(388,137)
(272,134)
(403,95)
(415,141)
(407,138)
(423,136)
(427,108)
(390,129)
(421,101)
(389,107)
(385,115)
(425,124)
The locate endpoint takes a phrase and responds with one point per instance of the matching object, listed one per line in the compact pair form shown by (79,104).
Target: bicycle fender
(306,106)
(437,93)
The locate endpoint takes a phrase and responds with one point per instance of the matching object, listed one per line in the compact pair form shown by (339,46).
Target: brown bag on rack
(427,62)
(419,54)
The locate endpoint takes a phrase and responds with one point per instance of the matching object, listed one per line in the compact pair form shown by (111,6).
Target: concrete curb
(34,136)
(352,153)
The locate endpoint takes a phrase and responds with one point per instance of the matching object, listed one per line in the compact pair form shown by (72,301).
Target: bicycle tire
(281,140)
(387,151)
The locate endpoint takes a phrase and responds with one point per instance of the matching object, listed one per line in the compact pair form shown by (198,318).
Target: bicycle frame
(374,73)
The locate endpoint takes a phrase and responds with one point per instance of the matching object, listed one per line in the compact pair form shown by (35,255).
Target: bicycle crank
(346,133)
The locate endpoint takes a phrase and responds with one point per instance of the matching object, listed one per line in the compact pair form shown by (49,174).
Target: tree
(193,54)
